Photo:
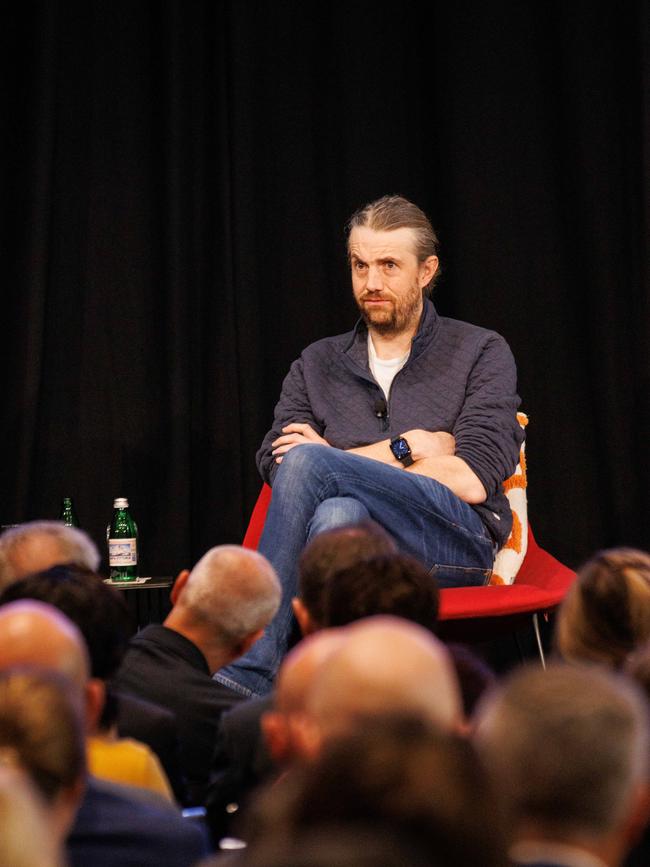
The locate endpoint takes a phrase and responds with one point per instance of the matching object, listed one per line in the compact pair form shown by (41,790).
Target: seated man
(410,420)
(219,610)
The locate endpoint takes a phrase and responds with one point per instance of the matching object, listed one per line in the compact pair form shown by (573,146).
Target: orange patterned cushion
(510,557)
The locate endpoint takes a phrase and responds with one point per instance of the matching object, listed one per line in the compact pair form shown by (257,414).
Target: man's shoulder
(328,346)
(463,330)
(154,657)
(159,638)
(467,343)
(154,633)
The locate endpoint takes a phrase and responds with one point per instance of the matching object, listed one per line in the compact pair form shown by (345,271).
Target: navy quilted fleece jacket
(459,378)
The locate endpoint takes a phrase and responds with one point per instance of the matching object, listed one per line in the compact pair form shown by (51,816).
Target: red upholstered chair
(256,523)
(471,613)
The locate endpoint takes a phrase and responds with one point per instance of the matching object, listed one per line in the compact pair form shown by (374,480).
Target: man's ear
(305,622)
(179,584)
(246,643)
(306,737)
(95,697)
(638,814)
(65,806)
(428,269)
(276,736)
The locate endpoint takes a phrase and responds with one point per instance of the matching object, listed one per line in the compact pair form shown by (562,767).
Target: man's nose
(374,282)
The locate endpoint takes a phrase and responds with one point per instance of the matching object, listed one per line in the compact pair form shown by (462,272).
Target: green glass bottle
(68,514)
(122,536)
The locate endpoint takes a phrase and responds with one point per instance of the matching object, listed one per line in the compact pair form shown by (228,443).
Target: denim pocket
(460,576)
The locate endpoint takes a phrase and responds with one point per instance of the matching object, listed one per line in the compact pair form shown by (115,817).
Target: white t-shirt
(384,369)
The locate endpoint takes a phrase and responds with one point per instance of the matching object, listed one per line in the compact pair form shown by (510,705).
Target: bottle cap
(120,503)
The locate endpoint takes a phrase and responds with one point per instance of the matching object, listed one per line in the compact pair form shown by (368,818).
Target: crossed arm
(433,453)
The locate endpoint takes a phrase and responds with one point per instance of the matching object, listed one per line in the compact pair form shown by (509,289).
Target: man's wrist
(401,451)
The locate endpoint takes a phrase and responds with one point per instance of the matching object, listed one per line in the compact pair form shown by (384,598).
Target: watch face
(400,448)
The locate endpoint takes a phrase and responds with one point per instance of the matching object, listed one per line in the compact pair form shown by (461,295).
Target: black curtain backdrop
(175,180)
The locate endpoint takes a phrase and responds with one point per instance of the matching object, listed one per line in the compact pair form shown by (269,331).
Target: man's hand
(429,444)
(295,434)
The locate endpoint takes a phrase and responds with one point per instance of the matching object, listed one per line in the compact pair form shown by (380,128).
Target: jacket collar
(357,348)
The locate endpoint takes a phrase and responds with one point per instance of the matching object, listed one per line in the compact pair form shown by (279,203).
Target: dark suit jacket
(165,667)
(245,762)
(156,727)
(114,829)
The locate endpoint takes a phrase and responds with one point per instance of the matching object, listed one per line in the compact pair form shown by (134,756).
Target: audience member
(275,733)
(27,838)
(393,775)
(219,610)
(328,553)
(568,748)
(300,668)
(100,613)
(475,677)
(41,732)
(385,665)
(394,584)
(111,823)
(37,545)
(606,613)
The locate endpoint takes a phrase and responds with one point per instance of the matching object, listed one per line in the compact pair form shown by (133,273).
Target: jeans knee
(300,462)
(336,512)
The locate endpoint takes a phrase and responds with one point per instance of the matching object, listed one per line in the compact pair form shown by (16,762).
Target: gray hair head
(234,590)
(38,545)
(568,747)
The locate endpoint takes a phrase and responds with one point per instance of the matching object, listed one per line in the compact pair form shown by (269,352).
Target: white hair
(74,545)
(235,590)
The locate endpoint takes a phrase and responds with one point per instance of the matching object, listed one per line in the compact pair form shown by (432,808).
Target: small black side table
(148,600)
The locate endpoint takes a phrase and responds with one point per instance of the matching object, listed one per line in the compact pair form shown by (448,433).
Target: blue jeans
(317,488)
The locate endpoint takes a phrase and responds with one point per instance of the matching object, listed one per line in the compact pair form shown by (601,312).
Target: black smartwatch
(402,451)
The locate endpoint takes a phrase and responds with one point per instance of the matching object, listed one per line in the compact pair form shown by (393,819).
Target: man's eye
(389,266)
(359,266)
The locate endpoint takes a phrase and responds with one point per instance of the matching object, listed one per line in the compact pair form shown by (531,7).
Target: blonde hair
(606,613)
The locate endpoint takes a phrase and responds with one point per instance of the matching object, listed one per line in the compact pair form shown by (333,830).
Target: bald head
(232,590)
(33,634)
(37,545)
(385,665)
(302,667)
(283,727)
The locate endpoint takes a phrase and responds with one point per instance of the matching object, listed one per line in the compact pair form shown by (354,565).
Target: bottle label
(122,552)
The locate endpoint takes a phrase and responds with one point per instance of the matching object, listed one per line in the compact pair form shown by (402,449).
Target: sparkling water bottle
(122,536)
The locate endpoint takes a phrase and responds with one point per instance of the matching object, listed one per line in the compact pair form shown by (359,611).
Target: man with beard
(408,420)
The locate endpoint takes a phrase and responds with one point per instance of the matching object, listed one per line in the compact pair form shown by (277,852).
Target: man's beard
(400,314)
